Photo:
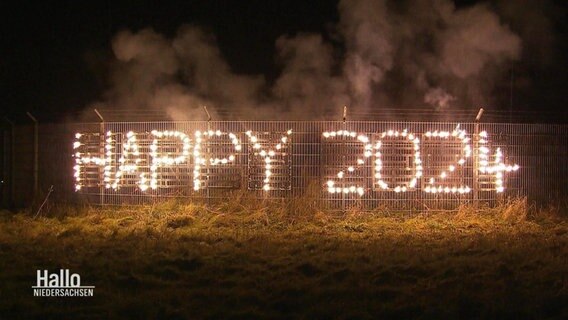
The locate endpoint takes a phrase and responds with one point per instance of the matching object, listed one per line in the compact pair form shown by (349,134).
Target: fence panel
(367,164)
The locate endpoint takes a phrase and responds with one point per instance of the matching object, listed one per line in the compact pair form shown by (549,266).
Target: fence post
(103,152)
(343,157)
(36,155)
(207,192)
(476,159)
(12,161)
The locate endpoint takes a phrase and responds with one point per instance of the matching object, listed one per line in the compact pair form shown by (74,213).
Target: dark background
(55,54)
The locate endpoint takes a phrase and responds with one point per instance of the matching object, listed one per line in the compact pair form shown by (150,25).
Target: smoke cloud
(413,53)
(307,86)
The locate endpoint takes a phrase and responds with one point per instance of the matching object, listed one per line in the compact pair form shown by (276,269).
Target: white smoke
(307,86)
(394,53)
(419,49)
(367,32)
(439,98)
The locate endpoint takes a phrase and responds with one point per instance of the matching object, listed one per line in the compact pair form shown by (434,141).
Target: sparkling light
(130,160)
(267,155)
(200,160)
(367,147)
(417,162)
(165,160)
(498,167)
(83,159)
(127,164)
(461,135)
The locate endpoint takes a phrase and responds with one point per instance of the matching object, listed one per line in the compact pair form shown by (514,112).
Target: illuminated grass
(248,260)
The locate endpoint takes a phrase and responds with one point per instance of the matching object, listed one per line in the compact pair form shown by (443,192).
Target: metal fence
(367,164)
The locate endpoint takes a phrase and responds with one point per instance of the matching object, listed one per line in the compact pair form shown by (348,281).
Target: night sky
(55,56)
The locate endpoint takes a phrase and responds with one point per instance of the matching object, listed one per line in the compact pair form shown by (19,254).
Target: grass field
(175,260)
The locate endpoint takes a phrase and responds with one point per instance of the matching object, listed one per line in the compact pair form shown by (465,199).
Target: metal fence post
(11,161)
(343,157)
(208,148)
(36,155)
(476,159)
(103,153)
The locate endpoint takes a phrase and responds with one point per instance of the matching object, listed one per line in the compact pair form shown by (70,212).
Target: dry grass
(249,259)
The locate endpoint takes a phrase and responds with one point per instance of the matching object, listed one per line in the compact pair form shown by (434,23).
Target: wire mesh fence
(367,164)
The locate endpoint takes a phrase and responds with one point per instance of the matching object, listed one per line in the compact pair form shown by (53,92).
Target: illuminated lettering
(89,159)
(437,177)
(162,153)
(129,165)
(367,152)
(200,158)
(416,161)
(433,162)
(273,159)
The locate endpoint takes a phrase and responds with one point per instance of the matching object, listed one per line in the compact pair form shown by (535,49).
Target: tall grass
(286,258)
(241,207)
(242,213)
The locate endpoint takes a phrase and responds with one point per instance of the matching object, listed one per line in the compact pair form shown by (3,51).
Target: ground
(178,260)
